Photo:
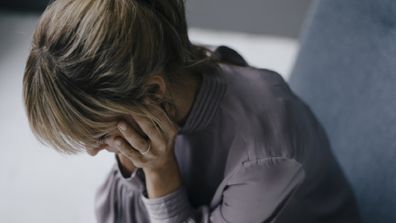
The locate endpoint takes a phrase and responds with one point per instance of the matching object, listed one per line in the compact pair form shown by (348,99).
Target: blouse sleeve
(255,193)
(118,199)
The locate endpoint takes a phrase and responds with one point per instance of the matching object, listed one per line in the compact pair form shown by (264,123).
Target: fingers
(93,151)
(168,126)
(155,136)
(125,149)
(126,163)
(132,136)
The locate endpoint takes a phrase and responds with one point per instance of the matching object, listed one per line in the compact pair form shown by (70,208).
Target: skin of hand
(159,164)
(126,166)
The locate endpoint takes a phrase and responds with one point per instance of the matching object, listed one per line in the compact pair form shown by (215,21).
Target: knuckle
(172,132)
(130,154)
(152,131)
(119,142)
(126,131)
(127,153)
(157,113)
(142,142)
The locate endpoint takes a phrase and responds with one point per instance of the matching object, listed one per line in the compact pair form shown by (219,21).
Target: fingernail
(122,126)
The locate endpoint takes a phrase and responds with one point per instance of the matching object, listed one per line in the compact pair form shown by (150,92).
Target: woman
(198,135)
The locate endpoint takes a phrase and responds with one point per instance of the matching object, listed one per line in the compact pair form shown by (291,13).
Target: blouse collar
(210,93)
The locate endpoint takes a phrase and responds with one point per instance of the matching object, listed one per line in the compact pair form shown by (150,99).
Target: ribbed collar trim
(210,94)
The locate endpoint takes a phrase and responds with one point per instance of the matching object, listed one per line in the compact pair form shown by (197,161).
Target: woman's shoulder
(260,81)
(265,111)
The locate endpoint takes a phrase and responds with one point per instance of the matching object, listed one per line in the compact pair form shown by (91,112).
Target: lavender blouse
(249,151)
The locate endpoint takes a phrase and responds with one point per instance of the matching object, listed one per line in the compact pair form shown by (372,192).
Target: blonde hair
(90,59)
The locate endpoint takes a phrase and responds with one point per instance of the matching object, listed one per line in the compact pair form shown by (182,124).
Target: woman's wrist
(162,181)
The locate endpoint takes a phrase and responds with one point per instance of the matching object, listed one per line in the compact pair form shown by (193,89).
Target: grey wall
(276,17)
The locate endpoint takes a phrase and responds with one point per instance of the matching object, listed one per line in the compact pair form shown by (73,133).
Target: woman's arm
(255,193)
(118,199)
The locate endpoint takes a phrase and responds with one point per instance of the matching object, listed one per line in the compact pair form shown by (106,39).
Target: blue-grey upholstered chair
(346,72)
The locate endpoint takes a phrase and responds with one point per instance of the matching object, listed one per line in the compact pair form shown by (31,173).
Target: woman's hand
(159,163)
(126,166)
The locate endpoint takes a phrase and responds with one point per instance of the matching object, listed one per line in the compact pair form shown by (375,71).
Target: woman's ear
(155,87)
(158,92)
